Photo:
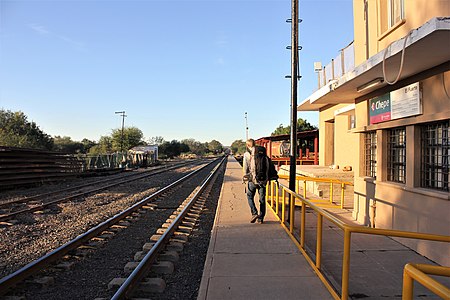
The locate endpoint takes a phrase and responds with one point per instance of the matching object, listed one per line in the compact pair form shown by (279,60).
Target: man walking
(249,170)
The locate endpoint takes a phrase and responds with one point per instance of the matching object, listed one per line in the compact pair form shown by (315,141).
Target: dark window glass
(396,164)
(436,155)
(370,154)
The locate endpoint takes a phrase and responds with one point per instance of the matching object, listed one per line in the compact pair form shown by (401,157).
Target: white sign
(406,102)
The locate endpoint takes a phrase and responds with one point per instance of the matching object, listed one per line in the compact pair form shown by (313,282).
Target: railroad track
(160,214)
(11,209)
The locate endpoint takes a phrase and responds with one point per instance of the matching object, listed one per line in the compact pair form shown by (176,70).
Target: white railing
(338,66)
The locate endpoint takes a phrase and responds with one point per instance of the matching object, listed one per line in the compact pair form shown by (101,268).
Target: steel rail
(37,197)
(65,199)
(131,283)
(10,280)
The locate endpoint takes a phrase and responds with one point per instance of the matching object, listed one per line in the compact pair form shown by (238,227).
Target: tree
(238,147)
(172,149)
(87,144)
(17,131)
(156,140)
(195,146)
(215,147)
(132,136)
(104,146)
(302,125)
(66,145)
(184,148)
(282,130)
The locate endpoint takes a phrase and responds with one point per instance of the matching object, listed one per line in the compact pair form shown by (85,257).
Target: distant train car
(280,149)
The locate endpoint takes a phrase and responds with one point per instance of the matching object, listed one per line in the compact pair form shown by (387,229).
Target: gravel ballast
(38,234)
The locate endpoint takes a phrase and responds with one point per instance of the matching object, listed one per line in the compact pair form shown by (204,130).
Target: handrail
(347,228)
(331,181)
(321,179)
(419,272)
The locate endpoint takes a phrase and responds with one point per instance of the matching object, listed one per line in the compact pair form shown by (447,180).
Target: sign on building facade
(401,103)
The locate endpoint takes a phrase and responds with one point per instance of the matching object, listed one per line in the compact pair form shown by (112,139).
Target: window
(351,121)
(396,162)
(391,13)
(396,12)
(436,155)
(370,154)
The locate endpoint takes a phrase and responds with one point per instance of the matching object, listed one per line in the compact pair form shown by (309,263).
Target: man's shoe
(253,219)
(260,221)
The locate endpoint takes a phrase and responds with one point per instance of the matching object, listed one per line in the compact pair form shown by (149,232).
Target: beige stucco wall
(325,139)
(414,210)
(436,105)
(417,12)
(406,206)
(346,146)
(359,32)
(342,143)
(377,202)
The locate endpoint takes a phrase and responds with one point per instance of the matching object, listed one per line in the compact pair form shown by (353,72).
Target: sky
(179,69)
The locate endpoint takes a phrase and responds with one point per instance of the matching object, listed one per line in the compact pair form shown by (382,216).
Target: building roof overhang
(426,47)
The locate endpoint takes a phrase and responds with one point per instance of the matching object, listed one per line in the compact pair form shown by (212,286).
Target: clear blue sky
(180,69)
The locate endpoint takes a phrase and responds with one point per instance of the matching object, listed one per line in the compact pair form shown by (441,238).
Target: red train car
(278,147)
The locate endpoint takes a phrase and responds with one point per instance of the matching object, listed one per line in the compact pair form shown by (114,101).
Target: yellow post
(283,208)
(408,286)
(331,192)
(304,189)
(346,263)
(291,214)
(296,186)
(420,273)
(319,241)
(269,188)
(278,200)
(271,193)
(275,203)
(342,195)
(302,225)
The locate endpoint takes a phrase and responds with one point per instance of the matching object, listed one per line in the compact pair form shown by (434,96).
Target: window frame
(393,20)
(370,154)
(435,156)
(396,155)
(386,25)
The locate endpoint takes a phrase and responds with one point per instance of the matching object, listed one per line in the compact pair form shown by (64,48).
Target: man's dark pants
(251,192)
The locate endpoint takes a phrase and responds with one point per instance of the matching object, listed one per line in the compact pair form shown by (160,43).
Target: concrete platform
(259,261)
(253,261)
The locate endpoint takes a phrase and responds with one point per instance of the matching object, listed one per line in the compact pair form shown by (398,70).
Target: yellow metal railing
(275,200)
(303,180)
(418,272)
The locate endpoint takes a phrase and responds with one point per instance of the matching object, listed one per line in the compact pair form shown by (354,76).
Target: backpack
(264,167)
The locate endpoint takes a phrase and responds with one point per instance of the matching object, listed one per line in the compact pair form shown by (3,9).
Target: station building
(384,109)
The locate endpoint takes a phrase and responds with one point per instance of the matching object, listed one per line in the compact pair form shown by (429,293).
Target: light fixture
(317,66)
(369,85)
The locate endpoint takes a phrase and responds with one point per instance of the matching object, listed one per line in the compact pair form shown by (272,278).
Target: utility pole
(294,80)
(246,127)
(122,114)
